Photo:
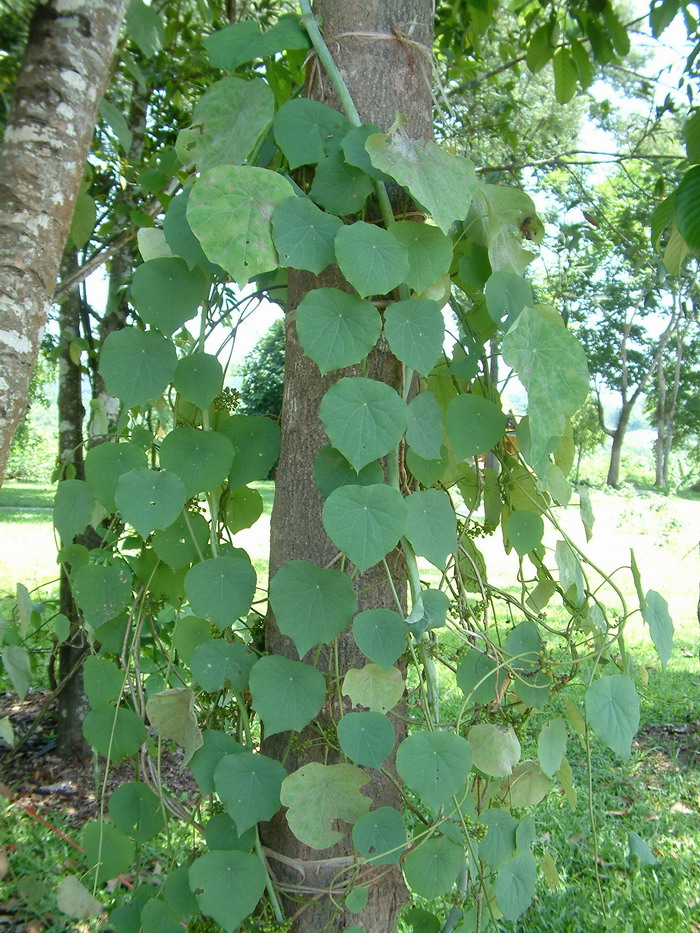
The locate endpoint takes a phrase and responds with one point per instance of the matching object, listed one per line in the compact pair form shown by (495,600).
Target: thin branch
(564,160)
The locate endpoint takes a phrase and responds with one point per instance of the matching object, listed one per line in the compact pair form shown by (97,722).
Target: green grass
(27,495)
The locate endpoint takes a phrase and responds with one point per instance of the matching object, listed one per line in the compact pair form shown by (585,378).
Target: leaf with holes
(198,378)
(228,886)
(380,836)
(365,522)
(137,365)
(306,131)
(506,295)
(221,589)
(311,604)
(149,499)
(286,694)
(249,787)
(366,738)
(612,710)
(217,662)
(373,687)
(303,235)
(435,765)
(183,542)
(371,258)
(102,591)
(336,329)
(317,795)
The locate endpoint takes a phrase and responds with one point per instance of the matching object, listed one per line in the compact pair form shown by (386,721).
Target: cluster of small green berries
(203,925)
(269,926)
(227,400)
(476,830)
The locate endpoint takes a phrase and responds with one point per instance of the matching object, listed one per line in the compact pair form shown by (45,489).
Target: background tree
(263,374)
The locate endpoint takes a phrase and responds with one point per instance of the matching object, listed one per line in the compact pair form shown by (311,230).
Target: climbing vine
(174,610)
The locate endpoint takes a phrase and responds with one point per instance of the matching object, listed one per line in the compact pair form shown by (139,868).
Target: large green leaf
(477,677)
(304,235)
(496,749)
(338,187)
(311,604)
(202,459)
(228,886)
(336,329)
(228,120)
(171,713)
(136,811)
(429,253)
(102,591)
(306,131)
(183,542)
(565,75)
(179,236)
(215,745)
(103,682)
(104,465)
(551,745)
(286,694)
(149,499)
(244,506)
(220,833)
(365,522)
(229,211)
(216,662)
(499,844)
(424,433)
(221,589)
(551,364)
(108,852)
(380,836)
(317,795)
(167,293)
(332,470)
(114,733)
(441,182)
(524,530)
(256,445)
(364,419)
(372,686)
(415,331)
(506,295)
(243,42)
(431,525)
(371,258)
(612,710)
(515,885)
(656,615)
(367,738)
(73,507)
(432,868)
(18,668)
(435,765)
(137,365)
(380,634)
(474,425)
(249,787)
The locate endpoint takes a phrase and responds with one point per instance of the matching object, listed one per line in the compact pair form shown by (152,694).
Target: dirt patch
(678,745)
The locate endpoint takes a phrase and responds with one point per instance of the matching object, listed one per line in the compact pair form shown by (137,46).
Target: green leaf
(179,236)
(220,833)
(353,146)
(306,131)
(183,542)
(332,470)
(431,870)
(104,465)
(83,222)
(228,886)
(499,844)
(570,573)
(202,459)
(136,811)
(640,850)
(551,745)
(215,662)
(137,365)
(365,522)
(228,120)
(540,49)
(431,526)
(429,253)
(317,795)
(688,208)
(145,27)
(366,738)
(116,121)
(380,634)
(551,364)
(443,183)
(73,507)
(103,682)
(114,733)
(612,710)
(221,589)
(190,631)
(171,713)
(304,235)
(229,211)
(380,836)
(524,530)
(435,606)
(565,76)
(371,258)
(311,604)
(364,419)
(338,187)
(356,901)
(256,445)
(587,516)
(435,765)
(474,425)
(159,917)
(286,694)
(149,499)
(108,853)
(496,749)
(244,507)
(249,787)
(655,614)
(477,677)
(526,786)
(506,295)
(336,329)
(16,661)
(243,42)
(424,433)
(415,332)
(691,132)
(422,921)
(373,687)
(215,745)
(101,591)
(515,885)
(167,293)
(74,899)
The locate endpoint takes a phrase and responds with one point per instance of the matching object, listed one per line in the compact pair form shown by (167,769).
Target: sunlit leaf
(612,709)
(365,522)
(435,765)
(317,795)
(336,329)
(371,258)
(374,687)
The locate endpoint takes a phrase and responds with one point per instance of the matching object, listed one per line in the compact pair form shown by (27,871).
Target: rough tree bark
(384,74)
(71,44)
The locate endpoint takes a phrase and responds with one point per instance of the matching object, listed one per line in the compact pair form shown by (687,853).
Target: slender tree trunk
(384,75)
(618,438)
(661,426)
(71,44)
(671,406)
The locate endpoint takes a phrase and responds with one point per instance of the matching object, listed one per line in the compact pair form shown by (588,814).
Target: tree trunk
(618,438)
(71,44)
(384,75)
(661,426)
(671,405)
